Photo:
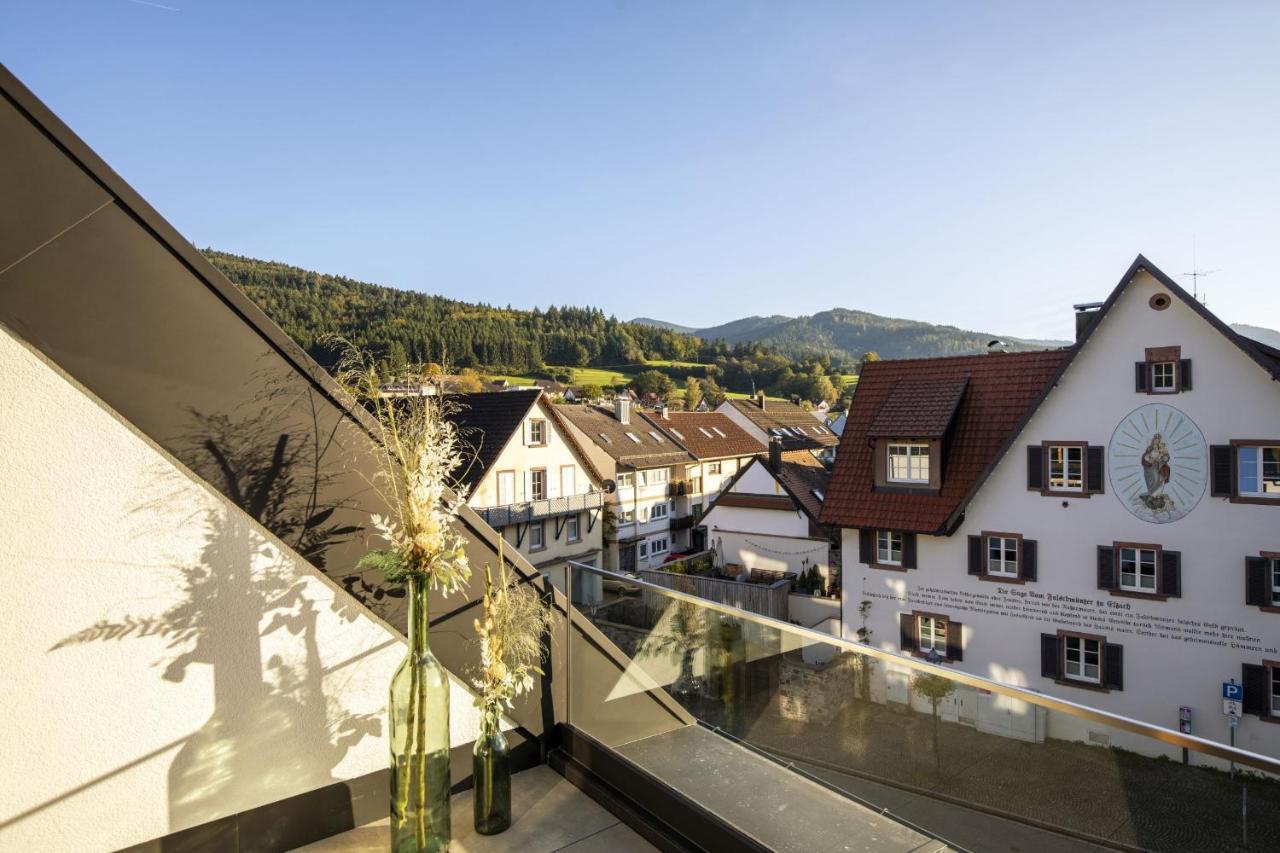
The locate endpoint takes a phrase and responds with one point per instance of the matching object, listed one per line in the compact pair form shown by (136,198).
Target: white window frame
(659,511)
(1275,578)
(1062,482)
(915,464)
(713,467)
(1258,464)
(540,528)
(1082,650)
(533,491)
(625,480)
(659,545)
(642,549)
(655,477)
(1275,690)
(931,634)
(1164,377)
(1138,559)
(885,547)
(573,529)
(998,563)
(626,516)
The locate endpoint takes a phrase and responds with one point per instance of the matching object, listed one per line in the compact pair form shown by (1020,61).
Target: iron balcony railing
(526,511)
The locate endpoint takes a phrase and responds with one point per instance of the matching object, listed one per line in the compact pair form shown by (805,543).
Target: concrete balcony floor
(547,814)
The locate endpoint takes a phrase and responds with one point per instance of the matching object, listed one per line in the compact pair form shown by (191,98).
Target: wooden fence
(767,600)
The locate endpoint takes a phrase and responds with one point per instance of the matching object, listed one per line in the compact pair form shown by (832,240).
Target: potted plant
(510,631)
(418,451)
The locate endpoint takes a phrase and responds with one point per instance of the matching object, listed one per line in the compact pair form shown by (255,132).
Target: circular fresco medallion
(1159,463)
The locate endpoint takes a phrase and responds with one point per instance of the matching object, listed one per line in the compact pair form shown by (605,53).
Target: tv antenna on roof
(1196,274)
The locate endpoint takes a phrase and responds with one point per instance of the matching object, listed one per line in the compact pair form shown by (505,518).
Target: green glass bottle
(419,735)
(491,770)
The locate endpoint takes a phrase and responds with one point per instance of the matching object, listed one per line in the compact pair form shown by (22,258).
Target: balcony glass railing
(519,513)
(979,764)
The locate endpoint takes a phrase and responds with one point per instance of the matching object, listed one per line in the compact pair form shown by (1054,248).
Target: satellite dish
(610,487)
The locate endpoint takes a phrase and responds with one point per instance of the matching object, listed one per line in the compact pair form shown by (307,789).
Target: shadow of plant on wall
(253,614)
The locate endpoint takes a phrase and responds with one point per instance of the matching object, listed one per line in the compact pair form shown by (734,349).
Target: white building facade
(1124,550)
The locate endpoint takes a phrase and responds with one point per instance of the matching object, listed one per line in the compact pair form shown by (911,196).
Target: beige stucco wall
(166,661)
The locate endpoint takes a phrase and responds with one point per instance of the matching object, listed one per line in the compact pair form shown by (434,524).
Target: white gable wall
(1232,397)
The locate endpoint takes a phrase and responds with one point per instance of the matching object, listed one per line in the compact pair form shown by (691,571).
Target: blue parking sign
(1233,691)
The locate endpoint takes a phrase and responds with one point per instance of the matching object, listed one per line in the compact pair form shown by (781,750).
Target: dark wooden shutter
(867,546)
(975,555)
(1095,470)
(955,641)
(1140,373)
(1184,375)
(1257,586)
(1106,567)
(907,632)
(1222,477)
(1035,467)
(1027,562)
(1254,678)
(908,550)
(1113,666)
(1171,573)
(1050,656)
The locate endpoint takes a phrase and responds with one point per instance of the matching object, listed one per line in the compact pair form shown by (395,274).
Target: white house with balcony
(530,478)
(643,464)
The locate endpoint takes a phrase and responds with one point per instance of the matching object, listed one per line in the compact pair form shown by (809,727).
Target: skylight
(656,437)
(718,432)
(606,439)
(633,437)
(704,432)
(818,494)
(677,434)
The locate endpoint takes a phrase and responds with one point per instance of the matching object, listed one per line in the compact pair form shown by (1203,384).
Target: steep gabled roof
(490,420)
(785,420)
(707,435)
(630,444)
(919,408)
(804,480)
(1000,391)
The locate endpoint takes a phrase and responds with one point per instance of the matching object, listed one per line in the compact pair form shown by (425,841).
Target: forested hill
(416,327)
(844,333)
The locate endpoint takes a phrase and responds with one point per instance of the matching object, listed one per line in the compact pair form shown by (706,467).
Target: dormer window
(1163,371)
(907,463)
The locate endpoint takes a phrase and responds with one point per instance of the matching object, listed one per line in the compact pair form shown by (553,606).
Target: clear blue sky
(982,165)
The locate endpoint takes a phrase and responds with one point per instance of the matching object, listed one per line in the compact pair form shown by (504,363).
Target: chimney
(1086,312)
(622,410)
(760,400)
(664,412)
(775,454)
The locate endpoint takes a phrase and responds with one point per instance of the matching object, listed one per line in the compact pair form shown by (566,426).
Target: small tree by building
(934,688)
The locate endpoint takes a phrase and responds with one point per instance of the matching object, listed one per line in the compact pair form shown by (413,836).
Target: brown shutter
(1113,666)
(1254,679)
(867,546)
(1035,467)
(955,641)
(1184,375)
(1257,586)
(907,632)
(1171,573)
(1107,567)
(975,555)
(1027,561)
(1222,477)
(1050,656)
(1140,376)
(1094,470)
(908,550)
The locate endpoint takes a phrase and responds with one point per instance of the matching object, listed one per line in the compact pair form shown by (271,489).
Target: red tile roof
(783,419)
(1001,392)
(918,408)
(707,435)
